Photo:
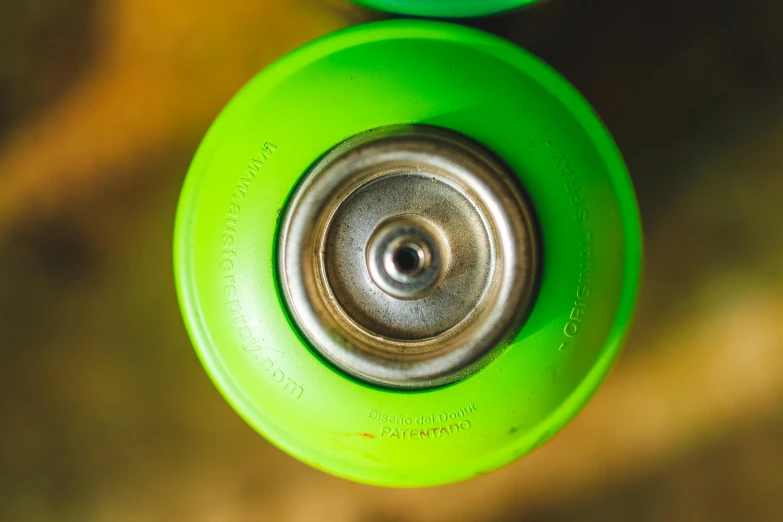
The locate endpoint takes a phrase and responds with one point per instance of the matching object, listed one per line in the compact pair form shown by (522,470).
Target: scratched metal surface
(106,414)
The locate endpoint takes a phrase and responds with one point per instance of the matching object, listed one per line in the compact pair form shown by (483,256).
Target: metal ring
(408,255)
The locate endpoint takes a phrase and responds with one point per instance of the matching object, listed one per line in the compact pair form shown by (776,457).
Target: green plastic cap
(397,73)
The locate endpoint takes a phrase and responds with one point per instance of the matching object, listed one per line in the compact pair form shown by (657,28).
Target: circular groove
(408,256)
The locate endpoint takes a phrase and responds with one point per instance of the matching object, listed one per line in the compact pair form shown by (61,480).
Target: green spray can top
(407,253)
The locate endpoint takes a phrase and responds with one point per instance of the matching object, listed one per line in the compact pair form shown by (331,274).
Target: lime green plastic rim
(444,8)
(370,76)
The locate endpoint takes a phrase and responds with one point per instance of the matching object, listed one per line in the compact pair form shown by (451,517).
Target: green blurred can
(407,253)
(444,8)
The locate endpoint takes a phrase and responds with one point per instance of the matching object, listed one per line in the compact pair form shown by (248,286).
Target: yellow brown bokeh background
(106,414)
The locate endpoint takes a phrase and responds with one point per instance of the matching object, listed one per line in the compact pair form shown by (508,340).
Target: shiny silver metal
(408,256)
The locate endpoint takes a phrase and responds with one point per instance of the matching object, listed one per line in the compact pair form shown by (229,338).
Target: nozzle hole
(407,259)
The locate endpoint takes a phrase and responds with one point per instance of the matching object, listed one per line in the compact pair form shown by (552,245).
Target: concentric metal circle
(407,256)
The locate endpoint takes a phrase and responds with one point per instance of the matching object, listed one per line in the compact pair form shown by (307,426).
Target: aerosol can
(408,252)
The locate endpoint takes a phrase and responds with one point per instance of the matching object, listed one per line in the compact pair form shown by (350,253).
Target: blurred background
(105,412)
